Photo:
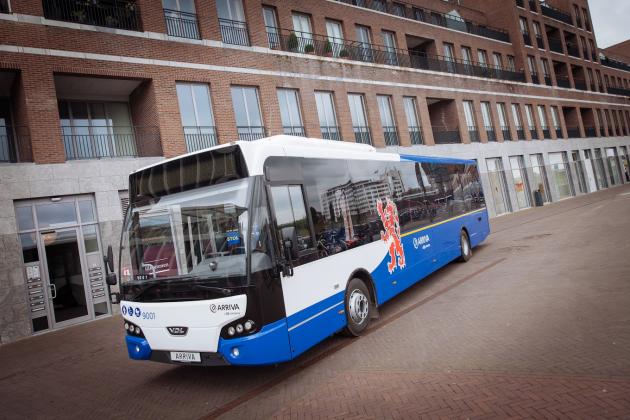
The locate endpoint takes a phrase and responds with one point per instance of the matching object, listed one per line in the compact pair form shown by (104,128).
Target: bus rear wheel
(464,244)
(358,307)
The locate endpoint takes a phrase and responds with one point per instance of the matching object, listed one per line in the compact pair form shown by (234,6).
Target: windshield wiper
(223,291)
(166,281)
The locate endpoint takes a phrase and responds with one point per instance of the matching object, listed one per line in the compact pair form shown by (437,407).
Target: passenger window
(291,219)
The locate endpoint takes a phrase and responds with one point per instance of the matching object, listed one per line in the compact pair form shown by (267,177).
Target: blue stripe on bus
(434,159)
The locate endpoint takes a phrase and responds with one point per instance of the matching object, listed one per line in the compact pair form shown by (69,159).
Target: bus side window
(291,219)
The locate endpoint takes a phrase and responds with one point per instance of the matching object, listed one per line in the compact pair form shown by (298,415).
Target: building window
(181,19)
(327,116)
(469,114)
(449,57)
(546,73)
(518,121)
(364,37)
(93,130)
(467,55)
(539,180)
(249,123)
(542,116)
(290,112)
(511,63)
(482,57)
(359,118)
(270,16)
(521,184)
(529,114)
(232,22)
(498,186)
(503,121)
(195,108)
(524,30)
(389,41)
(335,37)
(531,62)
(413,123)
(555,120)
(486,114)
(387,120)
(560,175)
(497,60)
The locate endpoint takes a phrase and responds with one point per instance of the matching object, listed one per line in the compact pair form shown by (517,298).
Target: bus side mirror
(109,259)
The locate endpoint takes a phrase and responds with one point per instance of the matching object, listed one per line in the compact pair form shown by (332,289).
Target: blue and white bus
(250,253)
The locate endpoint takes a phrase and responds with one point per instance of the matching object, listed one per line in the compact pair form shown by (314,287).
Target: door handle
(53,291)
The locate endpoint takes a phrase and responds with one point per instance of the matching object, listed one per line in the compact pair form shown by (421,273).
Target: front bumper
(268,346)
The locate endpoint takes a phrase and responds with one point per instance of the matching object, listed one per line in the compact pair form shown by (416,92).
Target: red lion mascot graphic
(391,235)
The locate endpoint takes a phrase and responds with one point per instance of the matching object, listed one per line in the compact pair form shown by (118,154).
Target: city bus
(252,252)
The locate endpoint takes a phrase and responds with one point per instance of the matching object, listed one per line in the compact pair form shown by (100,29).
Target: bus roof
(257,151)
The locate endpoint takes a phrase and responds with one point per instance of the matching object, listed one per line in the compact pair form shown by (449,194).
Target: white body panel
(204,324)
(318,280)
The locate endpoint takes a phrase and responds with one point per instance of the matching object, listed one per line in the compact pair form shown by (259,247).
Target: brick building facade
(90,91)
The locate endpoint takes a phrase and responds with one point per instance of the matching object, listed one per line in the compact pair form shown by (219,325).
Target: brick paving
(536,325)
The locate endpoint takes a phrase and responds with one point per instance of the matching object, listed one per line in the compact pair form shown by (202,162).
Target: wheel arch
(364,275)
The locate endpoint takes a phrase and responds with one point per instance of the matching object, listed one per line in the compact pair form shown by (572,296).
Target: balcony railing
(555,44)
(234,32)
(473,134)
(619,91)
(181,24)
(555,13)
(435,18)
(446,135)
(573,132)
(490,133)
(321,45)
(251,132)
(520,133)
(590,131)
(391,135)
(294,130)
(580,84)
(505,130)
(117,14)
(563,82)
(615,64)
(546,133)
(82,142)
(199,138)
(15,144)
(362,134)
(573,50)
(535,79)
(548,80)
(558,132)
(330,132)
(533,133)
(415,135)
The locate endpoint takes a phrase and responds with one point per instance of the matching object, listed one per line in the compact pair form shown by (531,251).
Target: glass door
(64,275)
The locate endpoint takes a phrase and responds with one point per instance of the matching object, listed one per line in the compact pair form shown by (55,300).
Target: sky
(610,21)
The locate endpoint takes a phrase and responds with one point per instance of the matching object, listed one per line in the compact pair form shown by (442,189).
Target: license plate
(185,356)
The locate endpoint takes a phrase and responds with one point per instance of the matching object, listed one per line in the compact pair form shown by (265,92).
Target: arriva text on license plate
(184,356)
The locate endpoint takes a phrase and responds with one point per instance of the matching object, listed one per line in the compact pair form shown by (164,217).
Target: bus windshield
(196,237)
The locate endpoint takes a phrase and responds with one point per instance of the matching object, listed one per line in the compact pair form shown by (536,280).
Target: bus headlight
(235,352)
(248,325)
(239,328)
(231,331)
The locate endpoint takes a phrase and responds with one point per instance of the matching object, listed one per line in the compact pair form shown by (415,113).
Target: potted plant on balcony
(328,50)
(344,53)
(292,42)
(309,49)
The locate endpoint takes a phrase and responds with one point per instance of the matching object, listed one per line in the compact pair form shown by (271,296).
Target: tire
(358,307)
(464,245)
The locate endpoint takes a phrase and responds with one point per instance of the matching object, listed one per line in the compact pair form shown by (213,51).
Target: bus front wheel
(464,244)
(358,307)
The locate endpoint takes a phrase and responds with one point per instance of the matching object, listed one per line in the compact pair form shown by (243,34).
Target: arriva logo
(224,307)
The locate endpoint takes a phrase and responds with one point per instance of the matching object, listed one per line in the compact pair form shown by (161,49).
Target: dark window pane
(29,247)
(55,213)
(87,211)
(24,217)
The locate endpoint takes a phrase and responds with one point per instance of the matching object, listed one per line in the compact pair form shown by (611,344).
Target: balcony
(415,135)
(89,142)
(181,24)
(15,144)
(533,133)
(563,82)
(492,135)
(199,138)
(573,50)
(234,32)
(251,132)
(473,134)
(362,134)
(446,135)
(433,17)
(535,79)
(505,130)
(391,136)
(548,81)
(555,13)
(615,64)
(119,14)
(580,84)
(618,91)
(590,131)
(294,130)
(330,132)
(546,133)
(555,44)
(321,45)
(573,132)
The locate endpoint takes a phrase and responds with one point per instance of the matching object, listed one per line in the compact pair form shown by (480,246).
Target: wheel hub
(358,306)
(465,246)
